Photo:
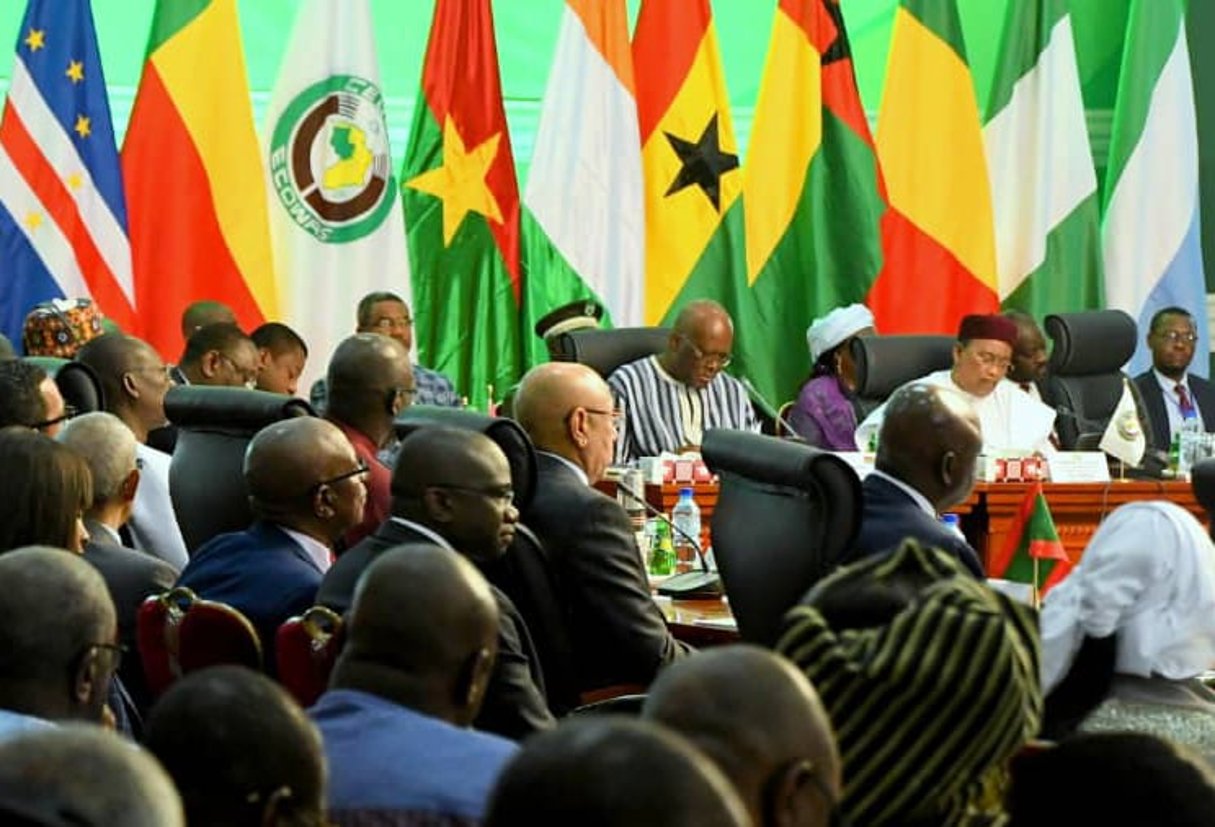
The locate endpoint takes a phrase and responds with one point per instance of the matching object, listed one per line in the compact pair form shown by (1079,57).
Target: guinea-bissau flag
(939,242)
(462,209)
(195,185)
(811,188)
(1032,538)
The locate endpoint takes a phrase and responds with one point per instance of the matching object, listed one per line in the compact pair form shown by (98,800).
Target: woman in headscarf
(1133,626)
(825,413)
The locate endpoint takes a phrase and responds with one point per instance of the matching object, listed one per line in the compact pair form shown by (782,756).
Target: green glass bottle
(662,554)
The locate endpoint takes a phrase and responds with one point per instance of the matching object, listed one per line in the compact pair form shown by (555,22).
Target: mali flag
(196,192)
(1032,538)
(811,188)
(939,242)
(462,208)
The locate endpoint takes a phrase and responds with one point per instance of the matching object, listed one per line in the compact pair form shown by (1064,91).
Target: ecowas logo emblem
(329,159)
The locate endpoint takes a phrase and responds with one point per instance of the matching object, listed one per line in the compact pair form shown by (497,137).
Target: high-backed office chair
(885,363)
(1084,380)
(78,384)
(606,350)
(305,650)
(206,482)
(785,515)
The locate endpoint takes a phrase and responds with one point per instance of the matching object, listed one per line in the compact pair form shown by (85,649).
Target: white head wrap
(839,325)
(1149,575)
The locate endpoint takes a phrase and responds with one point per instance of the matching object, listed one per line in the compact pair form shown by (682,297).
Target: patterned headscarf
(930,700)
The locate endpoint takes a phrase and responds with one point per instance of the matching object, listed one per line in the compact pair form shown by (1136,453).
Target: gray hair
(107,445)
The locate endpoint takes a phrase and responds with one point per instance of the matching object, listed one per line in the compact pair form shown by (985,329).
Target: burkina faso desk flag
(1032,553)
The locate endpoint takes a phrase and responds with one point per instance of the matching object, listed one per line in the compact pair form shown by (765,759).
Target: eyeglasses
(503,495)
(112,652)
(616,415)
(69,411)
(248,375)
(162,370)
(1175,336)
(718,360)
(991,360)
(408,393)
(358,471)
(387,323)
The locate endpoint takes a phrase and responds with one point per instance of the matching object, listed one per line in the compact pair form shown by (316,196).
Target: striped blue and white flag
(63,218)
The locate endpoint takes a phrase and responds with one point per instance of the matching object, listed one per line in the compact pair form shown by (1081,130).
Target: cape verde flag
(63,218)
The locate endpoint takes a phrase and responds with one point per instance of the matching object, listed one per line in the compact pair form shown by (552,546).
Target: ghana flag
(462,208)
(196,192)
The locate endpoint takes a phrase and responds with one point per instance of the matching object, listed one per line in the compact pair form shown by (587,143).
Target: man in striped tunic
(671,399)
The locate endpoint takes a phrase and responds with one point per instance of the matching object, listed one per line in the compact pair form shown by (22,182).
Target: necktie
(1183,398)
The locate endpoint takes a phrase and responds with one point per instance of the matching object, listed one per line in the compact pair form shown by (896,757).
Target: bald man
(619,635)
(761,722)
(420,644)
(925,465)
(306,487)
(452,487)
(201,313)
(671,399)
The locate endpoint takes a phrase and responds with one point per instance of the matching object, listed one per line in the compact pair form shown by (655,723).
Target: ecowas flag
(335,209)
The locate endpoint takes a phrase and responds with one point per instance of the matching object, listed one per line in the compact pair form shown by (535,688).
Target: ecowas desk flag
(1124,438)
(335,209)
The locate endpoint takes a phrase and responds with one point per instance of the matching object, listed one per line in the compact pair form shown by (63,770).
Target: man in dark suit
(1170,393)
(925,464)
(618,633)
(306,487)
(452,488)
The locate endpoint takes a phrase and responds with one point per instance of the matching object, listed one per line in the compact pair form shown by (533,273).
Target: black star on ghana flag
(703,163)
(839,48)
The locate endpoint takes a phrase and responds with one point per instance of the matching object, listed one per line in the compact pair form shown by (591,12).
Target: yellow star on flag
(75,71)
(36,39)
(33,220)
(460,182)
(83,128)
(75,181)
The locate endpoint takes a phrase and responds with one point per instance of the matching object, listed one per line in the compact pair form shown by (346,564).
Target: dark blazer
(619,635)
(514,704)
(1153,399)
(889,516)
(261,572)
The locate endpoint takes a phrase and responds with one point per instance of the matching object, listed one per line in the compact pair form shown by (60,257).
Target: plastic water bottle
(685,516)
(1188,439)
(953,525)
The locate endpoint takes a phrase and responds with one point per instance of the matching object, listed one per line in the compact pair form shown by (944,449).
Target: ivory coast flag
(462,208)
(811,189)
(583,225)
(939,240)
(196,194)
(1043,186)
(693,215)
(335,209)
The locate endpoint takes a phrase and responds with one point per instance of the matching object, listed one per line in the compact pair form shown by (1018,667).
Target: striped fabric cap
(927,704)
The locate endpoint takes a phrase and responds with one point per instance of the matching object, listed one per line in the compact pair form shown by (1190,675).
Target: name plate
(1079,466)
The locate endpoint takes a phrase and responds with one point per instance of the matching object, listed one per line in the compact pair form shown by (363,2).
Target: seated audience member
(60,327)
(134,380)
(420,644)
(1029,359)
(1171,394)
(581,314)
(83,776)
(30,398)
(925,465)
(1146,583)
(387,314)
(306,488)
(671,399)
(452,488)
(220,354)
(58,639)
(1111,778)
(613,772)
(1013,421)
(618,633)
(204,312)
(45,489)
(281,358)
(762,724)
(109,449)
(240,751)
(370,383)
(826,410)
(948,673)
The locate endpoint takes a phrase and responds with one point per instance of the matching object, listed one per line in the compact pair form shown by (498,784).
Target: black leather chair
(885,363)
(1084,380)
(785,514)
(1202,480)
(606,350)
(77,382)
(206,482)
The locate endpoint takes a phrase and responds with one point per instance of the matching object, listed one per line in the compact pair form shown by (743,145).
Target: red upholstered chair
(178,633)
(305,650)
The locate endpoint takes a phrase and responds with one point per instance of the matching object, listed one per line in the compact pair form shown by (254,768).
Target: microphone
(689,584)
(767,407)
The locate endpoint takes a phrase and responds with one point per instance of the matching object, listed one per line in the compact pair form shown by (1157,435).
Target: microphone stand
(690,584)
(755,395)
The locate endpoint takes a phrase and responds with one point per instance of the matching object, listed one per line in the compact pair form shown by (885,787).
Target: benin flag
(196,193)
(694,224)
(811,189)
(462,208)
(1032,537)
(939,243)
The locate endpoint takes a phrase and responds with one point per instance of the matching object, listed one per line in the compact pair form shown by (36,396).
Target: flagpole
(1037,597)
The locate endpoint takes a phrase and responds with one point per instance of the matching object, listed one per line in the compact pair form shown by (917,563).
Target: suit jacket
(619,635)
(514,704)
(889,516)
(1153,399)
